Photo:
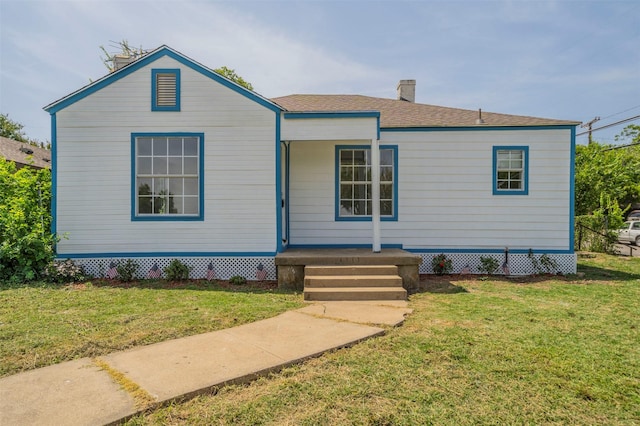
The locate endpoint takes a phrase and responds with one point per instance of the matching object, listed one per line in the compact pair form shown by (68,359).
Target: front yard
(45,324)
(544,350)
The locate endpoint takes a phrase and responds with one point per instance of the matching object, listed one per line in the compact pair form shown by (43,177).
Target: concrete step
(355,293)
(352,281)
(350,270)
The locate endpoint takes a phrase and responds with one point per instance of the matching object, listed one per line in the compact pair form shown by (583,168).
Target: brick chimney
(407,90)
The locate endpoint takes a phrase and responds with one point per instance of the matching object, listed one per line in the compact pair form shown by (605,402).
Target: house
(166,159)
(23,154)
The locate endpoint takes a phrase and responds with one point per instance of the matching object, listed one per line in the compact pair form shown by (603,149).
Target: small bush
(488,265)
(543,263)
(127,271)
(441,264)
(238,280)
(177,271)
(64,272)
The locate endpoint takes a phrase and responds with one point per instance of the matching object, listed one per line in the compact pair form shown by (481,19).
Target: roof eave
(152,56)
(477,127)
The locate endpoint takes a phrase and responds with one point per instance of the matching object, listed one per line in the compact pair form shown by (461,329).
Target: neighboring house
(165,159)
(24,154)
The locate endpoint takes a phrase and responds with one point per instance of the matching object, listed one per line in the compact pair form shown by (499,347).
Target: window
(167,176)
(510,170)
(353,181)
(165,90)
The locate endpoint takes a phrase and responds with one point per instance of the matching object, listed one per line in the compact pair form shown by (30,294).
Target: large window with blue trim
(353,182)
(510,170)
(167,176)
(165,90)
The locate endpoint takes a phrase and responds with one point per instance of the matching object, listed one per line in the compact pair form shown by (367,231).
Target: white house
(165,159)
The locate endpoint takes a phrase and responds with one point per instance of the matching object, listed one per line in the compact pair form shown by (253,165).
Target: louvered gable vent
(166,89)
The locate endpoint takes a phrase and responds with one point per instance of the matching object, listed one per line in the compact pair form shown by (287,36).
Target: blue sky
(557,59)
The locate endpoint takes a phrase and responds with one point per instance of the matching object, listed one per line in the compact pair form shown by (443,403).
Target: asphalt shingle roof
(398,114)
(11,150)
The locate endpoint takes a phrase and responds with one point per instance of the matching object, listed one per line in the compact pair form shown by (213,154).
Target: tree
(231,75)
(606,174)
(126,50)
(630,134)
(607,184)
(26,242)
(13,130)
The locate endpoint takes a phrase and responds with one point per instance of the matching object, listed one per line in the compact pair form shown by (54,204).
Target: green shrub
(238,280)
(128,270)
(26,242)
(177,271)
(441,264)
(64,272)
(488,265)
(543,264)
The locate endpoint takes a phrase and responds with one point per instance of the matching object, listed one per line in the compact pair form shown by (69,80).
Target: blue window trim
(154,101)
(394,216)
(168,218)
(525,187)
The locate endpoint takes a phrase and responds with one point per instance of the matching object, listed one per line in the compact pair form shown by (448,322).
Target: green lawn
(46,324)
(536,351)
(550,350)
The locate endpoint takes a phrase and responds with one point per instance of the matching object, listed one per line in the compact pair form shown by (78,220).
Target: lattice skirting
(223,267)
(519,264)
(263,268)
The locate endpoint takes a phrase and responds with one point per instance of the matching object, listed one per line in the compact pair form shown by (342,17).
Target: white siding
(322,129)
(94,168)
(446,199)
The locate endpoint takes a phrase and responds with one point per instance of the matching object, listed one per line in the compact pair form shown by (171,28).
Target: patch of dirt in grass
(441,284)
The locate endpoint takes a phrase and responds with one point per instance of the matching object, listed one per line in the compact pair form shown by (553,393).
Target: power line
(609,125)
(622,146)
(621,112)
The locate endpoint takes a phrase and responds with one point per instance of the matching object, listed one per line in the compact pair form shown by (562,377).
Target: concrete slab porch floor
(86,391)
(291,263)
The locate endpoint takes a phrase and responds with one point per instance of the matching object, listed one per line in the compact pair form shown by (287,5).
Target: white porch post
(375,194)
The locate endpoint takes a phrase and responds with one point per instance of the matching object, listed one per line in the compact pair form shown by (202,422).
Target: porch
(291,263)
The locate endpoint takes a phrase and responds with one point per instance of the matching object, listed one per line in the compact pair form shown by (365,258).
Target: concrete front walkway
(113,387)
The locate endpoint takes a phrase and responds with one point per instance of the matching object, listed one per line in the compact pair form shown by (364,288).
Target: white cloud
(50,49)
(271,59)
(539,58)
(210,33)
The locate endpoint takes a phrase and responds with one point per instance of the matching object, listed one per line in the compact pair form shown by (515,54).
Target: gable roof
(146,60)
(403,114)
(24,154)
(394,114)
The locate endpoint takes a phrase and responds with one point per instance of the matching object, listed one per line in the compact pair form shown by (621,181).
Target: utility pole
(589,125)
